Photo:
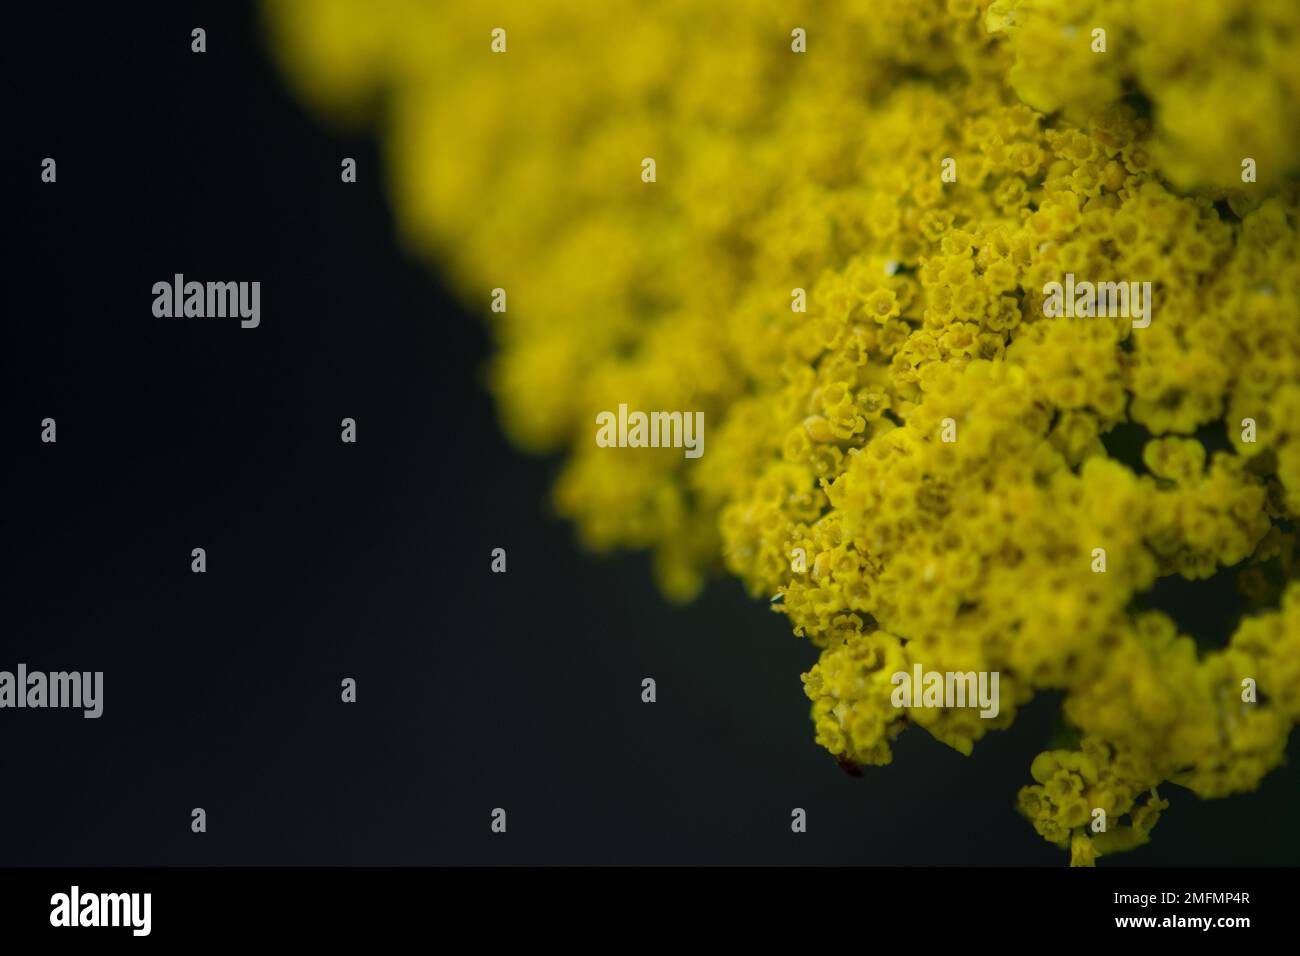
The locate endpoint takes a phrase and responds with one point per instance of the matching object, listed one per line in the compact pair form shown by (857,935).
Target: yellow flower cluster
(1074,785)
(1230,60)
(918,466)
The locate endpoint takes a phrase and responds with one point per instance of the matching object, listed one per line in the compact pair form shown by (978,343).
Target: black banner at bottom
(90,906)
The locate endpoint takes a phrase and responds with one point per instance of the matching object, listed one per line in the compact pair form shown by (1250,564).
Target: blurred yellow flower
(934,445)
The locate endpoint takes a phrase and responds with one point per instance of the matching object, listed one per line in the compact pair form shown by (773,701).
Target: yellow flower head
(978,484)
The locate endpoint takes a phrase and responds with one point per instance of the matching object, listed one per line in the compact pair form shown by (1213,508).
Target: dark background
(371,561)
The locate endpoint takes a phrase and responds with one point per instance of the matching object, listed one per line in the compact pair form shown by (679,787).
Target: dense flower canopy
(922,171)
